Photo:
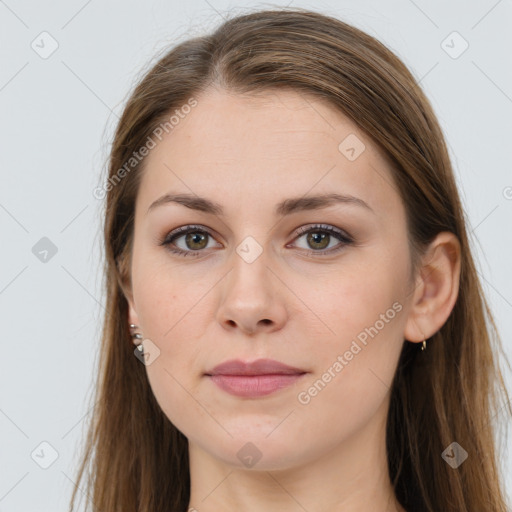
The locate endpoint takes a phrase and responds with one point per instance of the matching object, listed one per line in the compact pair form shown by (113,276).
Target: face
(321,287)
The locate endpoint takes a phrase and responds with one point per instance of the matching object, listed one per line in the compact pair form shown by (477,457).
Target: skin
(248,153)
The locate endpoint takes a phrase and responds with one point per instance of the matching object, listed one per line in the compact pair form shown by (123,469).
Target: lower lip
(254,385)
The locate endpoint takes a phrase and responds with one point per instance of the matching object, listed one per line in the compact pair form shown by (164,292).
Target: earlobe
(133,321)
(437,288)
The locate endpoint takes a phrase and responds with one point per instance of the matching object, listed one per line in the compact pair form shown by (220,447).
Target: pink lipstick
(251,380)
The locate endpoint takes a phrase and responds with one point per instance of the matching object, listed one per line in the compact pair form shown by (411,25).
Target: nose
(252,298)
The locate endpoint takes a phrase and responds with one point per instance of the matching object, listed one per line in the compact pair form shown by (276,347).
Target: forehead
(243,150)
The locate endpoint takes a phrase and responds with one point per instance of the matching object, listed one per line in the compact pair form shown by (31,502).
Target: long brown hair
(452,393)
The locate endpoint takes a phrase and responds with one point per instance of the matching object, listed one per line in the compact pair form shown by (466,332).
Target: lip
(253,379)
(258,367)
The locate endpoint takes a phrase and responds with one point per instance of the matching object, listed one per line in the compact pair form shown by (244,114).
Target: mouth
(251,380)
(252,386)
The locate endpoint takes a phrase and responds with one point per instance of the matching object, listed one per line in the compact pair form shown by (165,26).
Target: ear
(132,313)
(125,283)
(436,290)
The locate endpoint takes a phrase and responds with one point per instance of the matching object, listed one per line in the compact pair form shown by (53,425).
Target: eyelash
(179,232)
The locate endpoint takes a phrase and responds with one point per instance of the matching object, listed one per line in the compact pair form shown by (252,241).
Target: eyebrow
(286,207)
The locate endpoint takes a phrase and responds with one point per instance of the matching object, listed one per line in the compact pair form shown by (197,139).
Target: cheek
(161,296)
(353,299)
(341,408)
(355,367)
(363,308)
(167,315)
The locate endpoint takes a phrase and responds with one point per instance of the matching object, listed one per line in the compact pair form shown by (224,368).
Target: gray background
(57,118)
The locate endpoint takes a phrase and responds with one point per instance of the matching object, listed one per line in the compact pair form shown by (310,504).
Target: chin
(257,452)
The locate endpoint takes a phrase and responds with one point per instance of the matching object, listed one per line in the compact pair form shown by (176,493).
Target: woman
(294,319)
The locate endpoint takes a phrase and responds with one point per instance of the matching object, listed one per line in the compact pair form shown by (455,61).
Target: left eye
(320,236)
(196,239)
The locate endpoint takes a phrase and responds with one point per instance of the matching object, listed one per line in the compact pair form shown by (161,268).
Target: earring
(424,345)
(137,336)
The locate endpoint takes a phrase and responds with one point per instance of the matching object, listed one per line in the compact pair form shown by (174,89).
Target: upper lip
(258,367)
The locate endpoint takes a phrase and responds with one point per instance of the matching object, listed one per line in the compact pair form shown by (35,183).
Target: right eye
(195,239)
